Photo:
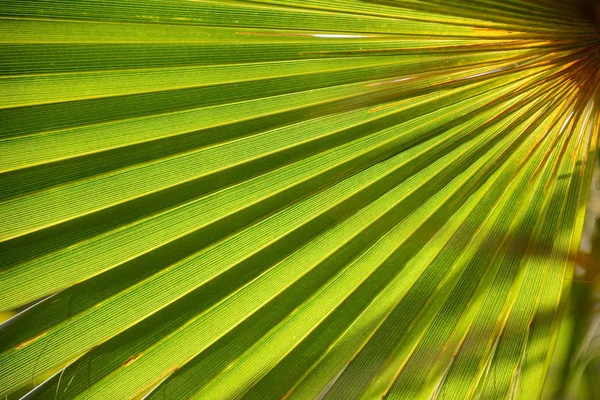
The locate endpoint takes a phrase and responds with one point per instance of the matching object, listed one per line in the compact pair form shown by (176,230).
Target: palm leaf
(305,199)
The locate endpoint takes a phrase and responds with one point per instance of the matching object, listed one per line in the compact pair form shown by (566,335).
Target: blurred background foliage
(575,369)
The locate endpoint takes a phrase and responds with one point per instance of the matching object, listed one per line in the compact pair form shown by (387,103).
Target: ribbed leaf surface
(309,199)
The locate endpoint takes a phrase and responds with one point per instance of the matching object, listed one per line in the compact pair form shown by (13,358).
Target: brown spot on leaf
(33,339)
(131,359)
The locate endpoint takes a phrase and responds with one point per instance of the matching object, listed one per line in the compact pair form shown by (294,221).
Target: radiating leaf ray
(271,199)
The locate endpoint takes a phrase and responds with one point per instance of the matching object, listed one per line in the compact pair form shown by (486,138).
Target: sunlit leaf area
(303,199)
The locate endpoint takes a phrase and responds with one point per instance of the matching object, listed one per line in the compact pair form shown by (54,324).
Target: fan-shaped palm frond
(304,199)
